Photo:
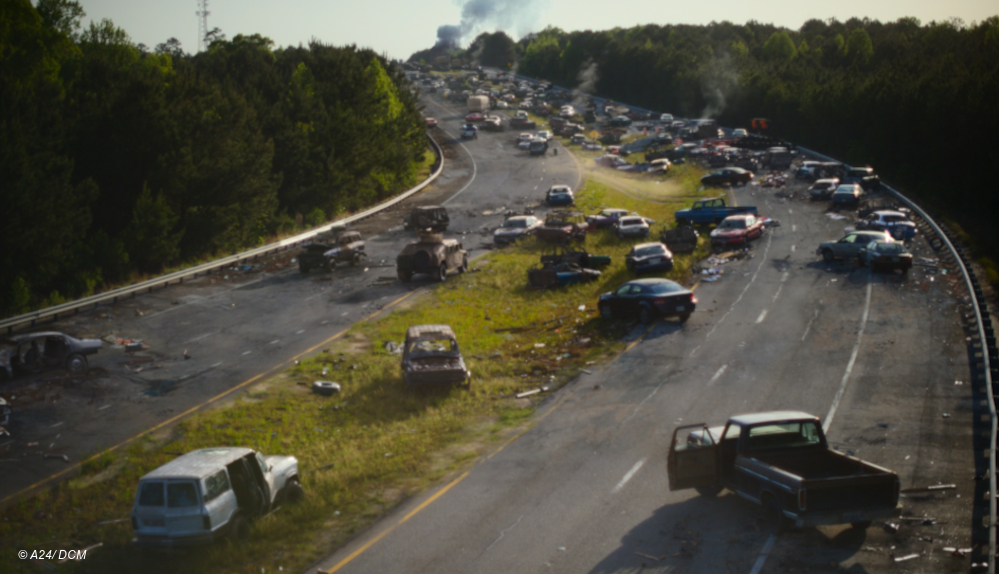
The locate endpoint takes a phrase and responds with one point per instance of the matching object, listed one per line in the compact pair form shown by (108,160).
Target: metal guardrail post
(179,276)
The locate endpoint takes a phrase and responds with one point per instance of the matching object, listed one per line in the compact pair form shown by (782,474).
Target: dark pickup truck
(781,461)
(708,211)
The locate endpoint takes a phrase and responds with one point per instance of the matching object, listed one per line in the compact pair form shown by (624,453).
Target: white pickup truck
(209,493)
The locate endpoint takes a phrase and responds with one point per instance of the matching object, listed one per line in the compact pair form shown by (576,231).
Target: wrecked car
(431,356)
(431,255)
(851,244)
(737,230)
(894,222)
(781,461)
(433,217)
(563,226)
(211,493)
(886,257)
(33,352)
(515,228)
(632,226)
(648,299)
(346,247)
(649,258)
(681,239)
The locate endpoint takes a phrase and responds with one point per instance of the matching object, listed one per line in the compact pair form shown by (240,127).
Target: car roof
(560,188)
(772,416)
(652,281)
(39,334)
(632,217)
(650,244)
(198,463)
(429,332)
(827,181)
(740,216)
(889,212)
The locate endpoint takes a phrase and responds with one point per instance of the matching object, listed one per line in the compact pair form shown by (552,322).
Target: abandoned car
(432,217)
(430,356)
(431,255)
(515,228)
(210,493)
(346,247)
(34,352)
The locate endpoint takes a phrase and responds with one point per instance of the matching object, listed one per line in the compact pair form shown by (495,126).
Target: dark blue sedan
(649,258)
(648,299)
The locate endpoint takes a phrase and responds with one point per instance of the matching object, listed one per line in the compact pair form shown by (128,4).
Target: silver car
(850,246)
(632,226)
(34,352)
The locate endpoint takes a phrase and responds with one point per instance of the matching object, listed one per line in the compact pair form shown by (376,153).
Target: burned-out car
(34,352)
(430,356)
(432,217)
(345,247)
(431,255)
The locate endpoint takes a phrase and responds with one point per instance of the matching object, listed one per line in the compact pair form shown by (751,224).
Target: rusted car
(682,239)
(564,226)
(33,352)
(432,217)
(346,247)
(431,255)
(431,356)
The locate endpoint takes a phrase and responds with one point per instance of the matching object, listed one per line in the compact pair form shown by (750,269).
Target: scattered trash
(325,388)
(909,557)
(587,371)
(59,456)
(835,216)
(890,528)
(929,488)
(527,393)
(946,415)
(958,383)
(958,552)
(392,347)
(539,345)
(388,454)
(582,307)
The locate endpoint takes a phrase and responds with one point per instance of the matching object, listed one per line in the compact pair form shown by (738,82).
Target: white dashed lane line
(762,316)
(628,476)
(718,375)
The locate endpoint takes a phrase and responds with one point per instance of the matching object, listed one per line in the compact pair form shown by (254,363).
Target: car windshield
(631,221)
(515,223)
(669,287)
(427,346)
(732,224)
(181,494)
(891,248)
(647,251)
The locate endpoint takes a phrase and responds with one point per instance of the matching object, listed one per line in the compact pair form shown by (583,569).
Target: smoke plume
(587,79)
(719,81)
(516,17)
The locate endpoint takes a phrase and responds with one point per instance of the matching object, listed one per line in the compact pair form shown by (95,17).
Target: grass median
(377,442)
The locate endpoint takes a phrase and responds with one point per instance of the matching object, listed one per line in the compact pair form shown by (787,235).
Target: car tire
(405,276)
(464,265)
(355,260)
(827,255)
(293,492)
(605,311)
(646,315)
(773,516)
(442,273)
(76,363)
(239,529)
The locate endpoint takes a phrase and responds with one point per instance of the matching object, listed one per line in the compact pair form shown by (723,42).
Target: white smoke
(516,17)
(588,77)
(719,81)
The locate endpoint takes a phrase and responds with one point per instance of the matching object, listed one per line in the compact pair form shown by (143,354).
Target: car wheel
(239,529)
(355,260)
(293,492)
(76,363)
(773,517)
(442,273)
(605,311)
(464,265)
(827,254)
(645,314)
(405,276)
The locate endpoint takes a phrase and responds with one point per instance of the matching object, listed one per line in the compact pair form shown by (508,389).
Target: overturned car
(430,356)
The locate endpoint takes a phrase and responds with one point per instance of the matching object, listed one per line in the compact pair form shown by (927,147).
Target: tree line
(118,160)
(915,101)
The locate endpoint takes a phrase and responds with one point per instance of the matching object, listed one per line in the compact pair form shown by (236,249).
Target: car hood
(505,231)
(717,232)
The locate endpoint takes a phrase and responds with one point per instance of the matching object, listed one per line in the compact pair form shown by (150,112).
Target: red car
(737,230)
(475,117)
(431,123)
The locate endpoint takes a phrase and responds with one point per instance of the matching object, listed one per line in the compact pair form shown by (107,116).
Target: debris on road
(63,457)
(957,552)
(929,488)
(527,393)
(890,527)
(907,557)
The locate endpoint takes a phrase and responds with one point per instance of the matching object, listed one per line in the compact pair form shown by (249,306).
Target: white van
(209,493)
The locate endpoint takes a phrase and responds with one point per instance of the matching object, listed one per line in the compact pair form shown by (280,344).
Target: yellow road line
(385,532)
(175,418)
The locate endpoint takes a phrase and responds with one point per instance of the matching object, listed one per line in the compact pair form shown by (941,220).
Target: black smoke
(516,17)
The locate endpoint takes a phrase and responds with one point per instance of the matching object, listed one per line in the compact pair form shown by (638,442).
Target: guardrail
(113,295)
(986,340)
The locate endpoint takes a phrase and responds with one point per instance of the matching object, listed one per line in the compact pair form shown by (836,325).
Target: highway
(877,357)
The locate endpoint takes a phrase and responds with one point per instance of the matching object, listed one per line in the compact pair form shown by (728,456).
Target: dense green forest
(116,159)
(919,102)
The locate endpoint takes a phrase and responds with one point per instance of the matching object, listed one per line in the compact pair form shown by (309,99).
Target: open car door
(693,464)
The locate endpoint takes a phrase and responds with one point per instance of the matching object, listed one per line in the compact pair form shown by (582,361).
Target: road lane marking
(853,358)
(223,394)
(300,331)
(58,424)
(794,227)
(200,337)
(809,325)
(746,288)
(274,342)
(246,353)
(762,316)
(654,391)
(718,374)
(762,558)
(784,277)
(628,476)
(504,531)
(792,249)
(385,532)
(776,295)
(104,407)
(215,365)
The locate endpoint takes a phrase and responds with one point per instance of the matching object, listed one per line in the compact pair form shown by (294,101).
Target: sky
(398,28)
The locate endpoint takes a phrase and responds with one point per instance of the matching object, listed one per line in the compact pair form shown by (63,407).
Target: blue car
(559,195)
(649,258)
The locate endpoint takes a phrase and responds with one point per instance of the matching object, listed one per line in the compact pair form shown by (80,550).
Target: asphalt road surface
(877,357)
(240,324)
